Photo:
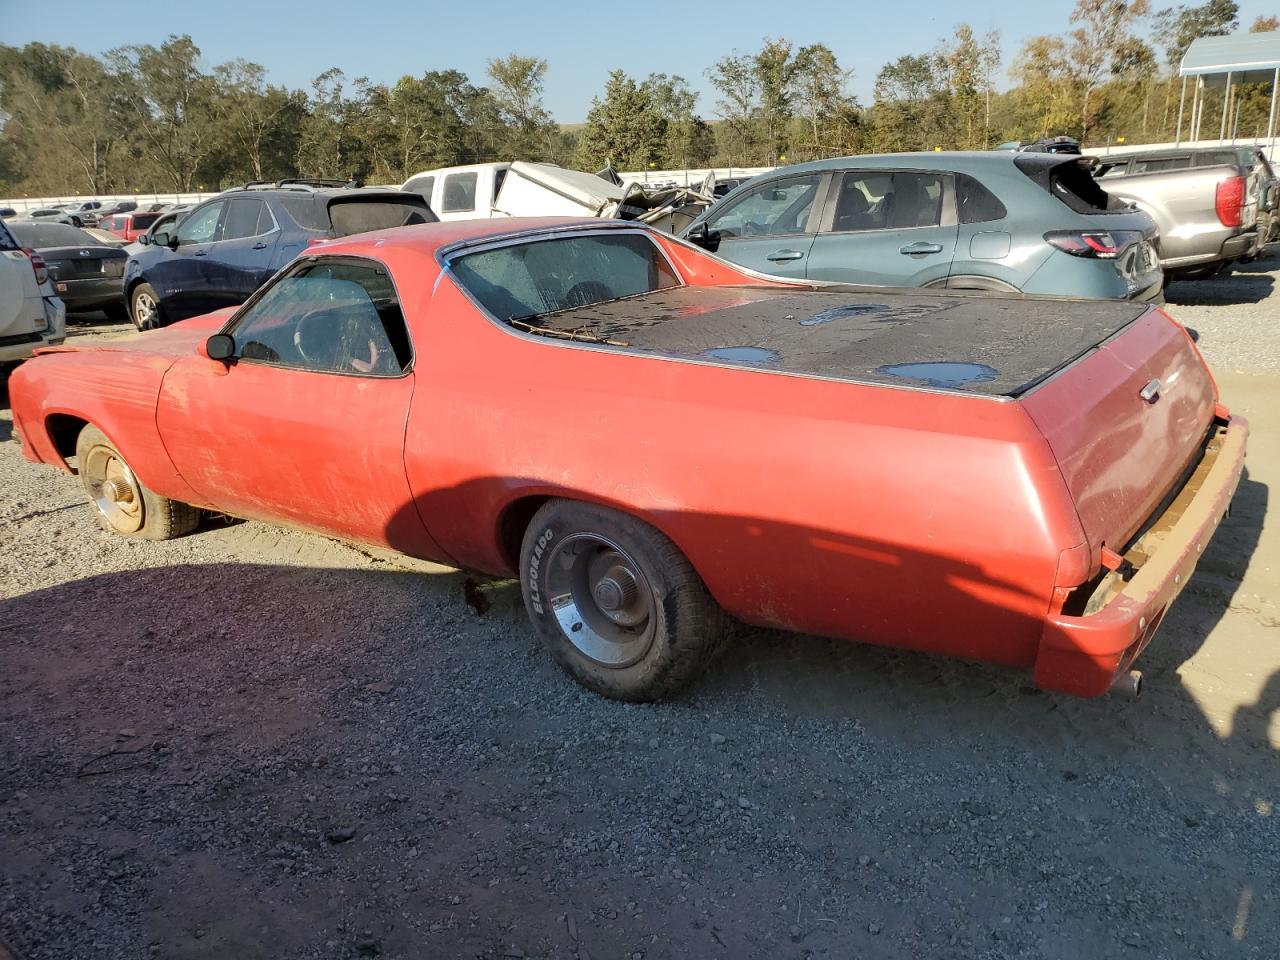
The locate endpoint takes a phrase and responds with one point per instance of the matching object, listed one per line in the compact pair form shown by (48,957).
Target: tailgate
(1120,453)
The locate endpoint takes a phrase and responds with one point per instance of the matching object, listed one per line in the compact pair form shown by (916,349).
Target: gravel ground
(258,743)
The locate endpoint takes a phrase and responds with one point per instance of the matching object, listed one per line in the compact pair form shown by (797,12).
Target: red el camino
(659,444)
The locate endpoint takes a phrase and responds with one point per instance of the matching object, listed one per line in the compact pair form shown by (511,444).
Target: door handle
(259,246)
(200,253)
(788,255)
(921,246)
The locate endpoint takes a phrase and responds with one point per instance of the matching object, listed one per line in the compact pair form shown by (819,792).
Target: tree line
(147,118)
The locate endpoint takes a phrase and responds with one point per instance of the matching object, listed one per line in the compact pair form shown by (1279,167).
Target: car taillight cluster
(1096,244)
(38,265)
(1228,201)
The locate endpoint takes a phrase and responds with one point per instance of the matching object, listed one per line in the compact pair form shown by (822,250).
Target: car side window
(246,217)
(975,203)
(202,225)
(880,200)
(1160,164)
(777,208)
(459,193)
(422,186)
(329,316)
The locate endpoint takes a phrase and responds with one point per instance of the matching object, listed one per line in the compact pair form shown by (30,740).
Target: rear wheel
(121,503)
(617,604)
(144,307)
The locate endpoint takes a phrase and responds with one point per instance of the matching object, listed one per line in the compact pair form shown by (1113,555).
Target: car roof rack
(303,184)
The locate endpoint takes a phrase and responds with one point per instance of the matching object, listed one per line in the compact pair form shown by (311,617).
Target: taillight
(1228,201)
(38,265)
(1096,244)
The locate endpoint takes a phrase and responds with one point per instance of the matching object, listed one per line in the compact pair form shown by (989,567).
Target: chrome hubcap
(602,600)
(113,489)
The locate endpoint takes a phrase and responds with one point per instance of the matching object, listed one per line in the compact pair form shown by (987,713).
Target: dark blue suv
(224,249)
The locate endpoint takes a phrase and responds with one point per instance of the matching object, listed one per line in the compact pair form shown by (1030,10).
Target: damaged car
(659,445)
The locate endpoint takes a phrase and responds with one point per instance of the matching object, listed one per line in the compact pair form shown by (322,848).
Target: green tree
(912,111)
(169,103)
(1105,27)
(625,128)
(734,77)
(828,112)
(517,89)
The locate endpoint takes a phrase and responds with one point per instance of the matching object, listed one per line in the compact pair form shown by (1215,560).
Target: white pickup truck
(30,315)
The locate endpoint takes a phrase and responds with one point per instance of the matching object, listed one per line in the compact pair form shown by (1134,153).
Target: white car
(30,315)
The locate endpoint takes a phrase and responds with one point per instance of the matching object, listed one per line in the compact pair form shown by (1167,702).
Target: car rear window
(42,235)
(359,215)
(525,281)
(143,220)
(6,239)
(1070,181)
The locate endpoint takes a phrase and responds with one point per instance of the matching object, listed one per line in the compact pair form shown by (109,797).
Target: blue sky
(385,39)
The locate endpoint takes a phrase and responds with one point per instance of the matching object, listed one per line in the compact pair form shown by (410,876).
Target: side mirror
(221,346)
(145,239)
(703,236)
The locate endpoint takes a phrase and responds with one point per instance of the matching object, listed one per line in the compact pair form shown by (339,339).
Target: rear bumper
(90,294)
(21,346)
(1082,655)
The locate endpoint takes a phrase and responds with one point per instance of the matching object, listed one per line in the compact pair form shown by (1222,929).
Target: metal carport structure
(1228,62)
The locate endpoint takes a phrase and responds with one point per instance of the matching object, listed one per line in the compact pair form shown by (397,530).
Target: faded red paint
(908,518)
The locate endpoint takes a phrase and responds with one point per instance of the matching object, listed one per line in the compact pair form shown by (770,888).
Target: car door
(181,275)
(242,258)
(892,228)
(769,227)
(305,423)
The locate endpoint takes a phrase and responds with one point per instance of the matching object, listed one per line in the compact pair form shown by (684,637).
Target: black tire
(683,627)
(117,313)
(122,504)
(143,298)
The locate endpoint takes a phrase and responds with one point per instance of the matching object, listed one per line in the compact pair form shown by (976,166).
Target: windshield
(39,235)
(525,281)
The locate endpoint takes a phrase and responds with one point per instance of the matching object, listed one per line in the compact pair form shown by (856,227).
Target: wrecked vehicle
(521,189)
(658,444)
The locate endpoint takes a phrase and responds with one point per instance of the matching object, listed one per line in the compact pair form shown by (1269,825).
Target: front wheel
(618,605)
(121,502)
(144,307)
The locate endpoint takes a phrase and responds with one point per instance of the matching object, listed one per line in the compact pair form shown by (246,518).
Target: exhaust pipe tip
(1129,683)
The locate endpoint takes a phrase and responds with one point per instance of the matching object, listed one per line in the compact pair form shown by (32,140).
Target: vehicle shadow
(1236,288)
(214,730)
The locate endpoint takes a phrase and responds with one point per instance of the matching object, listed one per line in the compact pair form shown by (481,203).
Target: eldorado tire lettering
(535,562)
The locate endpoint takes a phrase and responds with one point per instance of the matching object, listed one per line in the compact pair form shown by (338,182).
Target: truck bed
(981,344)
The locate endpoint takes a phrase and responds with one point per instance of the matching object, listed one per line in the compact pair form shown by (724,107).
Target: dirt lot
(252,743)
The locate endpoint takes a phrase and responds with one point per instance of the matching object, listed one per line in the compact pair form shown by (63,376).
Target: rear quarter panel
(1182,204)
(903,517)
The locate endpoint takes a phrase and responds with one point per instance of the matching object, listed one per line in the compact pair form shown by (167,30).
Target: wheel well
(64,430)
(971,281)
(513,523)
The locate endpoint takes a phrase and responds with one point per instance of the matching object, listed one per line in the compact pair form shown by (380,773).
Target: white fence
(24,204)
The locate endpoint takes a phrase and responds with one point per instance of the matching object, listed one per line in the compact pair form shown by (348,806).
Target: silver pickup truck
(1213,206)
